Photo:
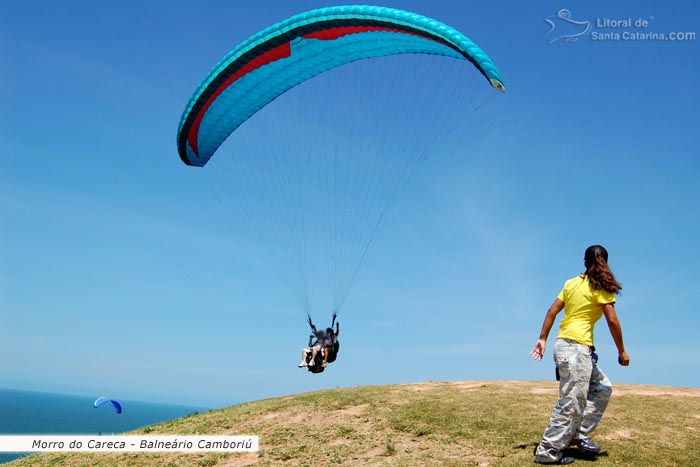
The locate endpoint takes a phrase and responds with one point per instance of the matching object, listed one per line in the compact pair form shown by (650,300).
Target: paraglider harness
(332,350)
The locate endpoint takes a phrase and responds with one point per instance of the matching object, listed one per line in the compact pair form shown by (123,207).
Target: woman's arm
(616,332)
(538,351)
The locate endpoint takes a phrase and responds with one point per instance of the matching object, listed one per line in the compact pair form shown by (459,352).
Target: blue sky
(116,277)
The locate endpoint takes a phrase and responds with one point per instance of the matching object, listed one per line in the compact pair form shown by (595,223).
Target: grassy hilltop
(429,424)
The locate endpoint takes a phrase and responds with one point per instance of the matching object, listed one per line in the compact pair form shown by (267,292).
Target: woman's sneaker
(587,445)
(551,457)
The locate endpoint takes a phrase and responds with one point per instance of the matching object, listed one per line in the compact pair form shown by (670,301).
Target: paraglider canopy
(290,52)
(103,400)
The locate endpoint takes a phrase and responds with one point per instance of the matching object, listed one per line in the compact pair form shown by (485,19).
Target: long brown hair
(599,274)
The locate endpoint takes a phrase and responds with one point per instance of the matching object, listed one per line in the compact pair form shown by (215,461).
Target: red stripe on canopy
(277,53)
(335,33)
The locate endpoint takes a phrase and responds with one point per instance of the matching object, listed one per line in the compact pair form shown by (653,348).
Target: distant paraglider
(103,400)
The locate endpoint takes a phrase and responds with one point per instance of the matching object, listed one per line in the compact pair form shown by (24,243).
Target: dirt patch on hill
(623,390)
(653,391)
(241,460)
(617,435)
(466,385)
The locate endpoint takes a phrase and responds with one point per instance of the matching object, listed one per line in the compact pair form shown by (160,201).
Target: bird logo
(567,29)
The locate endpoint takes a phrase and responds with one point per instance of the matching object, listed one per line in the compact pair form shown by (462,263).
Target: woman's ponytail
(598,272)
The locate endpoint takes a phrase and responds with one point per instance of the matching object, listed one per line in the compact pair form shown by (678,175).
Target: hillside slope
(486,423)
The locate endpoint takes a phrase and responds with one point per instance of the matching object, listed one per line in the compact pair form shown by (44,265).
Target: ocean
(38,412)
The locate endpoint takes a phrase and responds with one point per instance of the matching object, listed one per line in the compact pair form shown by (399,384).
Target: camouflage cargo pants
(584,393)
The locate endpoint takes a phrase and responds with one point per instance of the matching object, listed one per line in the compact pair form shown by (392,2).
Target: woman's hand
(538,351)
(623,359)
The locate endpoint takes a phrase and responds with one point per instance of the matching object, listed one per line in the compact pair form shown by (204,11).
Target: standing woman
(584,390)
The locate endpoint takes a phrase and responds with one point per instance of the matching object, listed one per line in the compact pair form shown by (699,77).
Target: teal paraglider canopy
(298,48)
(106,400)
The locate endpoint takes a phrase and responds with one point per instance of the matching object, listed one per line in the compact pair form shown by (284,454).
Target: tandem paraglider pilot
(322,348)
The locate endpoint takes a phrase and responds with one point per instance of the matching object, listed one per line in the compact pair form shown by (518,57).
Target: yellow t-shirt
(583,307)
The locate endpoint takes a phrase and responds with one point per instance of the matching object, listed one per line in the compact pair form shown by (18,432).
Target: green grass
(432,425)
